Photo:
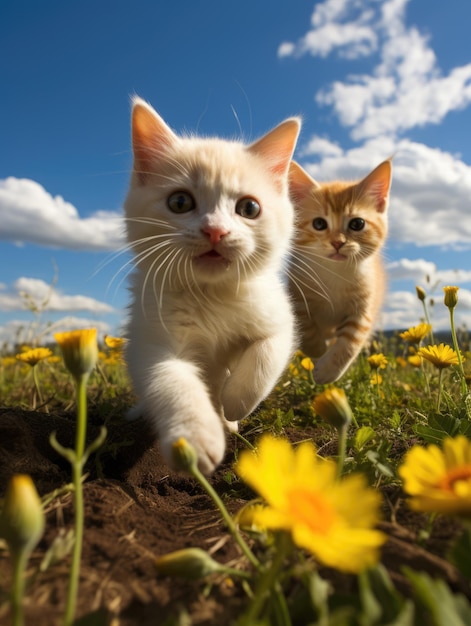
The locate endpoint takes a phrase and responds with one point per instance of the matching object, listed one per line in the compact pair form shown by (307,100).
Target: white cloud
(335,28)
(15,332)
(28,213)
(406,89)
(418,270)
(45,297)
(402,309)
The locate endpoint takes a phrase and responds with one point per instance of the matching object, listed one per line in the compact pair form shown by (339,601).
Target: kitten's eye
(181,202)
(356,224)
(319,223)
(248,208)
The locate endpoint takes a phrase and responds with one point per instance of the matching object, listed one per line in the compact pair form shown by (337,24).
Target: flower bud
(184,455)
(451,296)
(191,563)
(420,293)
(80,351)
(332,405)
(22,517)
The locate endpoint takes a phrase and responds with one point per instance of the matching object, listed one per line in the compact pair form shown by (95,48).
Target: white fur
(207,340)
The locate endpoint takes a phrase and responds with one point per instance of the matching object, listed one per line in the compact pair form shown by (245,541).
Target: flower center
(311,509)
(454,479)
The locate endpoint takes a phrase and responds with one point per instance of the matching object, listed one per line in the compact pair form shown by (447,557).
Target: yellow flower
(79,349)
(8,361)
(22,517)
(415,360)
(33,356)
(377,361)
(400,361)
(416,333)
(293,370)
(451,296)
(332,405)
(115,343)
(333,519)
(439,480)
(307,364)
(376,379)
(441,356)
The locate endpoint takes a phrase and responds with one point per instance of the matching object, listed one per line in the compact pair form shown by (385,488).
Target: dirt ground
(137,510)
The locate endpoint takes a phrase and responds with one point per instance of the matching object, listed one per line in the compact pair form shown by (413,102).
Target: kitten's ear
(377,185)
(150,137)
(300,183)
(277,146)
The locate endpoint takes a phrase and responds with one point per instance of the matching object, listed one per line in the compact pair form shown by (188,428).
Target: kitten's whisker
(308,272)
(151,272)
(295,283)
(303,250)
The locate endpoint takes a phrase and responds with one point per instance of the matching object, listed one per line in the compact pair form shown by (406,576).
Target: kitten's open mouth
(212,254)
(337,257)
(212,258)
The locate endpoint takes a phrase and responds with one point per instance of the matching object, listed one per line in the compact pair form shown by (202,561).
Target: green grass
(389,416)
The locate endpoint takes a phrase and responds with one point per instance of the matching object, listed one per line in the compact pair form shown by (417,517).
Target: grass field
(348,526)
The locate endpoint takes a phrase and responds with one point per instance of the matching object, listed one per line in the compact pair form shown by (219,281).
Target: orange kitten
(336,273)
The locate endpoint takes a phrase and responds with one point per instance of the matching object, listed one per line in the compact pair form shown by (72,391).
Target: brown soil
(137,510)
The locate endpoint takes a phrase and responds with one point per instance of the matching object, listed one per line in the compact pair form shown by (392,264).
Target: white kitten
(211,327)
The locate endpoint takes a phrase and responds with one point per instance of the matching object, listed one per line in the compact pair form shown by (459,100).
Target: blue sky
(370,78)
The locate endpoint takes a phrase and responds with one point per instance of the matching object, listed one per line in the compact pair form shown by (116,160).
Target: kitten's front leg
(255,374)
(341,354)
(177,402)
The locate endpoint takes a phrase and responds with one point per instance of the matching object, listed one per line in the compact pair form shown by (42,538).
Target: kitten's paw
(232,427)
(326,372)
(209,447)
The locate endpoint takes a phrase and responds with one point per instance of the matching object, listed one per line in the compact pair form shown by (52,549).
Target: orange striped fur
(336,274)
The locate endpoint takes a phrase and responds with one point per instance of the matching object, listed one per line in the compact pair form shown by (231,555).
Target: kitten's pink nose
(337,244)
(215,233)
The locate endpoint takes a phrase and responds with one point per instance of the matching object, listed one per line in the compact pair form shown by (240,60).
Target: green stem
(268,581)
(464,386)
(77,465)
(439,399)
(20,560)
(36,386)
(427,320)
(244,441)
(225,515)
(342,449)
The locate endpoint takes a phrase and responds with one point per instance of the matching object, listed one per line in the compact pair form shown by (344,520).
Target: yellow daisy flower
(415,360)
(307,364)
(332,519)
(33,356)
(377,361)
(332,405)
(115,343)
(376,378)
(416,333)
(441,356)
(79,349)
(439,480)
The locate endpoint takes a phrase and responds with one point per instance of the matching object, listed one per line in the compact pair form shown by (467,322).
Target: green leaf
(363,436)
(439,607)
(319,592)
(460,554)
(379,597)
